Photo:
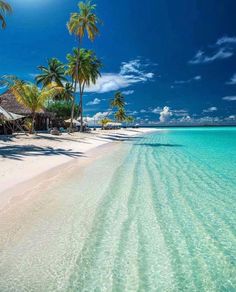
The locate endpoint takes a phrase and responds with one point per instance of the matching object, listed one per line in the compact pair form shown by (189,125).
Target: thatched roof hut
(9,103)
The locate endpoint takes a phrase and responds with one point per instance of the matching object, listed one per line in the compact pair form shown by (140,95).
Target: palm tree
(81,23)
(118,101)
(120,115)
(66,92)
(88,73)
(130,119)
(30,96)
(5,9)
(104,121)
(9,81)
(55,72)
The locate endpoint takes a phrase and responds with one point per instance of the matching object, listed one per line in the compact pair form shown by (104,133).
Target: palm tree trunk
(33,121)
(75,87)
(81,106)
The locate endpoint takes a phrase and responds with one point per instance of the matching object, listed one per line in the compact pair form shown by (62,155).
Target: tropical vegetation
(5,9)
(61,108)
(84,22)
(88,73)
(32,97)
(54,72)
(57,84)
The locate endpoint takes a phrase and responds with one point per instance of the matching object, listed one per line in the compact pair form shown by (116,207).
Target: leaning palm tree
(118,101)
(5,9)
(88,73)
(30,96)
(120,115)
(129,119)
(83,22)
(54,72)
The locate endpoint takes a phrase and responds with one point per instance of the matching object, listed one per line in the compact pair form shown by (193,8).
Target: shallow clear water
(162,209)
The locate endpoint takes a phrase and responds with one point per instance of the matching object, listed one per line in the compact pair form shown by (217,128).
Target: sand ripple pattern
(164,220)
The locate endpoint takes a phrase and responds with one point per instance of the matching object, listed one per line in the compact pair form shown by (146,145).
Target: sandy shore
(23,157)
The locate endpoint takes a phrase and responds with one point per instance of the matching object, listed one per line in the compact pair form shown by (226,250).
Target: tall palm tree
(83,22)
(55,72)
(33,98)
(5,9)
(87,74)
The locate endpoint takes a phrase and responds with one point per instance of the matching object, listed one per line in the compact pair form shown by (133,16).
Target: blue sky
(174,60)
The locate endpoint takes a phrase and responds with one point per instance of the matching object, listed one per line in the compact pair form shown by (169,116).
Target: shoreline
(38,158)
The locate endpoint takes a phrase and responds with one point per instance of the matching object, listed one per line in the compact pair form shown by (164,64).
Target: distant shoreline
(188,126)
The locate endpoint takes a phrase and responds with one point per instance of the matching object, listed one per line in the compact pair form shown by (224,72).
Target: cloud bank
(131,73)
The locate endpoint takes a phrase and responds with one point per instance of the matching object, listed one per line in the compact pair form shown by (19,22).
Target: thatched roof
(9,103)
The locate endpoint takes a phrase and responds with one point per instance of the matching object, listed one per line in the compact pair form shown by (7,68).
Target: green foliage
(89,67)
(104,121)
(62,109)
(5,9)
(54,73)
(85,21)
(120,115)
(80,23)
(30,96)
(130,119)
(118,101)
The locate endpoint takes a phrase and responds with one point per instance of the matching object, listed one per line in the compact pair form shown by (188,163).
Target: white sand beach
(24,157)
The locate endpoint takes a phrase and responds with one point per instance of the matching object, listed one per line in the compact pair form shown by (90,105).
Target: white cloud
(226,40)
(201,57)
(180,113)
(143,111)
(223,51)
(185,119)
(130,73)
(133,112)
(132,66)
(97,117)
(157,110)
(128,92)
(229,98)
(196,78)
(210,109)
(165,114)
(231,118)
(94,102)
(232,80)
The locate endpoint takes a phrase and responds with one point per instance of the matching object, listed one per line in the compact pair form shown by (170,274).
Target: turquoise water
(163,219)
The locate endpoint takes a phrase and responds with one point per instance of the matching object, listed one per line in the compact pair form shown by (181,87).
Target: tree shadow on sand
(19,152)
